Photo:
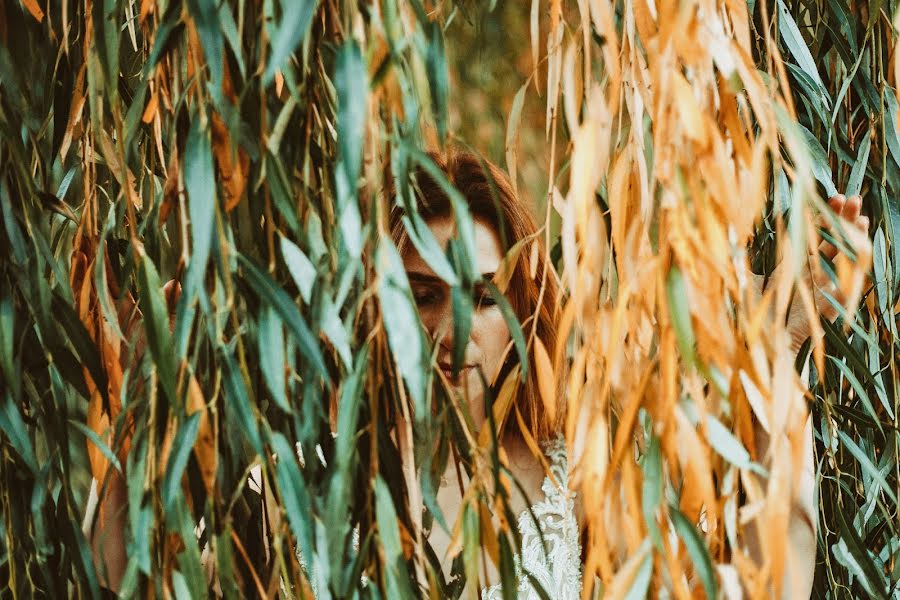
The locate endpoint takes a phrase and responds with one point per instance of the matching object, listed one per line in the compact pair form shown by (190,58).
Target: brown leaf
(121,172)
(233,174)
(170,189)
(74,113)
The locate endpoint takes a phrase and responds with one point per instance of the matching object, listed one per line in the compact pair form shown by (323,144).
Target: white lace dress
(558,570)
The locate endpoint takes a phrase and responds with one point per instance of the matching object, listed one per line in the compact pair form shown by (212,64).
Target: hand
(856,229)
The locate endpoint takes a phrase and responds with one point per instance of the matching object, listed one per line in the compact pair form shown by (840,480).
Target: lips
(447,369)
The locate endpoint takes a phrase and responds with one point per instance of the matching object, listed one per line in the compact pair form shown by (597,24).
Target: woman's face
(488,336)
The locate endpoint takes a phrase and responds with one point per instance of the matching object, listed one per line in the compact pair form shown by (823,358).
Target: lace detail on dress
(558,570)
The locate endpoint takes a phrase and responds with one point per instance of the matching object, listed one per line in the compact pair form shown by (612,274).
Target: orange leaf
(279,83)
(147,7)
(489,539)
(98,422)
(150,111)
(205,445)
(34,9)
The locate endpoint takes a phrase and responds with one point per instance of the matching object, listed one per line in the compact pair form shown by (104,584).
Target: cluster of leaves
(236,149)
(198,288)
(708,125)
(842,70)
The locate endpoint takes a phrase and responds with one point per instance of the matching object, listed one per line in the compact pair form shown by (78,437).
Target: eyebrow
(420,277)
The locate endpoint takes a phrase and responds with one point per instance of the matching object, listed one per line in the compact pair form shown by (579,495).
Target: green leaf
(890,204)
(697,550)
(229,30)
(790,33)
(862,564)
(105,15)
(858,388)
(854,185)
(891,134)
(181,451)
(351,87)
(461,213)
(238,401)
(471,542)
(294,495)
(652,490)
(13,233)
(7,329)
(508,579)
(333,327)
(867,465)
(680,315)
(13,426)
(180,587)
(819,160)
(271,355)
(206,18)
(438,78)
(426,245)
(81,342)
(99,443)
(641,584)
(156,326)
(100,285)
(512,323)
(292,29)
(269,292)
(300,267)
(395,572)
(200,181)
(280,189)
(461,301)
(401,320)
(724,442)
(171,24)
(351,398)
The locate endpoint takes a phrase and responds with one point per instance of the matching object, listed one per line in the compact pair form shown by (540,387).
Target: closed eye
(483,298)
(427,296)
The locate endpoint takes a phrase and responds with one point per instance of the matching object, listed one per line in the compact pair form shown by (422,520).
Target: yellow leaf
(689,110)
(546,379)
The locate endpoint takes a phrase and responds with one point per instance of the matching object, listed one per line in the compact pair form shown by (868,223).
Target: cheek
(429,320)
(490,334)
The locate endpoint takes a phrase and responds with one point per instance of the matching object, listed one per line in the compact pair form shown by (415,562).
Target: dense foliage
(238,150)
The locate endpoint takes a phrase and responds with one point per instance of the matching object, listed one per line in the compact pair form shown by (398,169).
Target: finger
(851,209)
(863,223)
(823,225)
(828,250)
(837,202)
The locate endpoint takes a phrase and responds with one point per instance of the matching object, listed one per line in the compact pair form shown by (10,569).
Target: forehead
(488,252)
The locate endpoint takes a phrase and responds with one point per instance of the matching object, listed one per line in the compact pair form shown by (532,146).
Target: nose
(442,327)
(444,330)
